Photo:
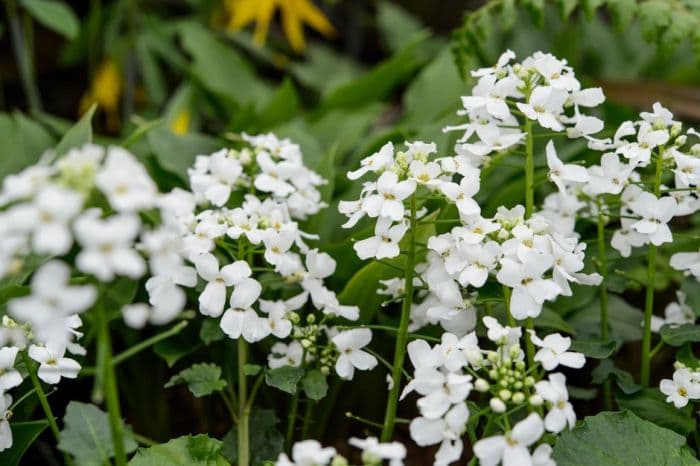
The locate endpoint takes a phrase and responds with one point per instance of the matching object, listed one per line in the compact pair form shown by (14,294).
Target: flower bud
(325,370)
(305,342)
(505,395)
(518,385)
(529,381)
(294,318)
(493,357)
(676,129)
(536,400)
(680,140)
(474,357)
(497,405)
(518,398)
(514,351)
(310,319)
(481,385)
(339,461)
(493,373)
(520,365)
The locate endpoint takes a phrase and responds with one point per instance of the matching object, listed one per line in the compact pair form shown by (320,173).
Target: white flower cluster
(374,453)
(446,374)
(684,387)
(82,211)
(542,88)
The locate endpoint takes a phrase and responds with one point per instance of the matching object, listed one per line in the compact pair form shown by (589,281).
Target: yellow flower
(181,122)
(295,13)
(105,90)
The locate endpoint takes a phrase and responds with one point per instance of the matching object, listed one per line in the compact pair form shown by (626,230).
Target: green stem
(603,263)
(308,413)
(291,420)
(506,301)
(44,404)
(243,410)
(529,209)
(23,55)
(402,334)
(109,385)
(651,277)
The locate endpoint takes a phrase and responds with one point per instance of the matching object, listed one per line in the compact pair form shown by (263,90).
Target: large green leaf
(79,134)
(266,442)
(201,379)
(607,370)
(24,141)
(678,335)
(198,450)
(397,26)
(55,15)
(220,69)
(282,106)
(625,320)
(23,435)
(176,153)
(621,439)
(594,349)
(651,405)
(87,437)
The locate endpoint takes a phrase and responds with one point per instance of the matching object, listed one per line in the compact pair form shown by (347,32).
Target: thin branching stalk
(651,277)
(529,209)
(109,384)
(243,413)
(603,264)
(402,334)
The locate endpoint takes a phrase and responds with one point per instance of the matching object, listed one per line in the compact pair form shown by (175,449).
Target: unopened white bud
(497,405)
(518,398)
(481,385)
(505,395)
(536,400)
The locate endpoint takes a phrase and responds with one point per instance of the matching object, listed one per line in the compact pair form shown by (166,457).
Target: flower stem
(529,209)
(402,334)
(44,402)
(651,276)
(603,264)
(291,420)
(243,413)
(23,55)
(109,385)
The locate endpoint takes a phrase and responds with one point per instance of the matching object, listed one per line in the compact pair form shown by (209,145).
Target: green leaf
(220,69)
(377,83)
(24,138)
(590,7)
(651,405)
(284,378)
(686,356)
(606,369)
(86,435)
(252,369)
(315,385)
(594,349)
(678,335)
(175,348)
(282,106)
(266,442)
(176,153)
(622,12)
(550,318)
(79,134)
(210,331)
(566,7)
(620,439)
(201,379)
(198,450)
(655,16)
(625,320)
(54,15)
(23,435)
(508,14)
(396,25)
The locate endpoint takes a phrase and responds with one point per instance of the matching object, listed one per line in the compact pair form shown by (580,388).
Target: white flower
(626,238)
(374,452)
(560,412)
(542,456)
(213,176)
(685,386)
(349,345)
(5,430)
(276,322)
(108,246)
(530,290)
(376,162)
(561,173)
(241,318)
(545,105)
(426,173)
(388,202)
(275,177)
(687,169)
(9,376)
(125,182)
(441,391)
(655,213)
(213,297)
(53,365)
(48,219)
(167,298)
(554,352)
(505,336)
(511,448)
(609,177)
(307,453)
(461,194)
(282,354)
(481,260)
(385,243)
(688,262)
(51,302)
